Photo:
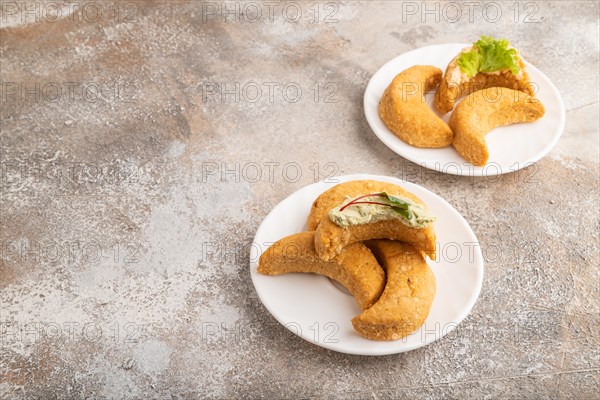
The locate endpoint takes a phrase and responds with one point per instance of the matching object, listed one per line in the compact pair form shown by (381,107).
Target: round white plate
(313,308)
(511,147)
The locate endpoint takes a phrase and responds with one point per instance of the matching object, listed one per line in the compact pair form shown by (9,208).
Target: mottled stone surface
(130,196)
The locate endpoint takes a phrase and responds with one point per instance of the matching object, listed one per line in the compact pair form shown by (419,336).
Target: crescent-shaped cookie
(455,85)
(407,297)
(404,111)
(485,110)
(355,268)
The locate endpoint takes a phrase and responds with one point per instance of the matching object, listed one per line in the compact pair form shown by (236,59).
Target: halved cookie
(331,237)
(340,192)
(502,66)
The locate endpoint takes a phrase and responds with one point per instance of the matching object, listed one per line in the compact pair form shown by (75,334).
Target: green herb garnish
(412,213)
(489,55)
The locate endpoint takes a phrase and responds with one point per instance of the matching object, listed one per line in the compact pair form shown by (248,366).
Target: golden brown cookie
(455,85)
(331,238)
(408,295)
(404,111)
(355,268)
(485,110)
(338,193)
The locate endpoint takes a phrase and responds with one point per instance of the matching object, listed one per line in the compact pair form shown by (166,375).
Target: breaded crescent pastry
(485,110)
(404,111)
(355,268)
(408,295)
(338,193)
(331,238)
(455,84)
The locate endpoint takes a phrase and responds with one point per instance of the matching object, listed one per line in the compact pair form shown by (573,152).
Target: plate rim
(479,261)
(474,170)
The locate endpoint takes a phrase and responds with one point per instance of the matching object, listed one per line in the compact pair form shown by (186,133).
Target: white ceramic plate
(511,147)
(316,310)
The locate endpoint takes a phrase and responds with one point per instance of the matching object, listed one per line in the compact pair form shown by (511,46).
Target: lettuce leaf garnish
(489,55)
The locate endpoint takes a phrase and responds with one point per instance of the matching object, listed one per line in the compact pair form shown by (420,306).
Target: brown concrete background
(125,235)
